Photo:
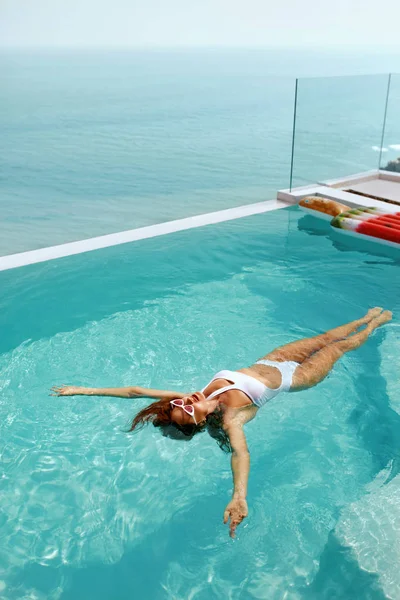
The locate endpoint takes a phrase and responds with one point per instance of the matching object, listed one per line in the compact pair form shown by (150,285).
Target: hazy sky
(198,22)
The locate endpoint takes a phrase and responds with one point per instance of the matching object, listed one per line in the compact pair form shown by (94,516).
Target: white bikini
(258,393)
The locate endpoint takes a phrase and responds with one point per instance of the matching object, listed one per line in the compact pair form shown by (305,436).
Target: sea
(99,141)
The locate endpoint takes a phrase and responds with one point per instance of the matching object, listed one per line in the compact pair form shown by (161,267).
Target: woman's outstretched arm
(122,392)
(237,509)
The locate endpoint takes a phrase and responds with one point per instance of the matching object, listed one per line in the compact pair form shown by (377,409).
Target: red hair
(158,413)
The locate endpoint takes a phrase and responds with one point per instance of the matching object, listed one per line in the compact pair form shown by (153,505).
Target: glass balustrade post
(293,133)
(384,120)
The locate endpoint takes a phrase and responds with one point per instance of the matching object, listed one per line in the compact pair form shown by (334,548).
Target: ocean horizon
(98,141)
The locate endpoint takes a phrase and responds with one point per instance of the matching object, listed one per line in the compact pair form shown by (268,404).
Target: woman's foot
(381,319)
(373,313)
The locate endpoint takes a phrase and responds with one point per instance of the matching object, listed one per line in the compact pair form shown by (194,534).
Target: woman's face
(202,407)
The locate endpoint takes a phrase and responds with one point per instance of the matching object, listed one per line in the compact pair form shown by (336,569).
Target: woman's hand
(237,511)
(66,390)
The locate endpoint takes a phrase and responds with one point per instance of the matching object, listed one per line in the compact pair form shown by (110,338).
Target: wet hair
(159,414)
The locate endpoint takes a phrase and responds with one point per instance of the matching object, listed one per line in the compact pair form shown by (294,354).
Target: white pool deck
(380,187)
(384,184)
(377,183)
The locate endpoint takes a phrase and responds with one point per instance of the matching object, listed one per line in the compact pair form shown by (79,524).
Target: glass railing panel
(390,157)
(338,128)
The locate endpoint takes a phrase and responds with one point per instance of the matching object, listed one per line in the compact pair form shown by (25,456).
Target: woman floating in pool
(232,398)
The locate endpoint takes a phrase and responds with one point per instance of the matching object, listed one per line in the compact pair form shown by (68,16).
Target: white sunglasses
(188,408)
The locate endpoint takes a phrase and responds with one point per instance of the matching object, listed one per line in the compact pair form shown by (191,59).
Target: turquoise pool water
(87,511)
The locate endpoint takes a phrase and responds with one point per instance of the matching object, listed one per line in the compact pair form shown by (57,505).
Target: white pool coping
(12,261)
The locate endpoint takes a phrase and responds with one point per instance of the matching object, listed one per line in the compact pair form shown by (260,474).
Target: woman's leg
(302,349)
(316,368)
